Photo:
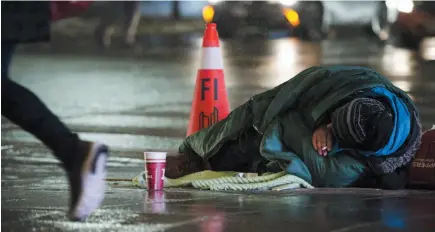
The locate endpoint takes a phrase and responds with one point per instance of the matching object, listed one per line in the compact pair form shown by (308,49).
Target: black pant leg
(25,109)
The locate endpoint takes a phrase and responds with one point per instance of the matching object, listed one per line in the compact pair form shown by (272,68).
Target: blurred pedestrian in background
(84,162)
(126,15)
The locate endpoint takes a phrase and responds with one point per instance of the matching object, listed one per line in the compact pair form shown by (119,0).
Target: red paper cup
(155,163)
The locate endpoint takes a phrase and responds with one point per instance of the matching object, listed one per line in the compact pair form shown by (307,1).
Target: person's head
(363,123)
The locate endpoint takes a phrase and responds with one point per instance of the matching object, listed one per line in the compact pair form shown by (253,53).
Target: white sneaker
(88,181)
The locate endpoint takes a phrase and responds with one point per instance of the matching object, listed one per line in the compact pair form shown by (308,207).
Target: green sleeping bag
(287,115)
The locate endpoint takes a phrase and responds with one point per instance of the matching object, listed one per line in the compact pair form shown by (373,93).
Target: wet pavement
(141,102)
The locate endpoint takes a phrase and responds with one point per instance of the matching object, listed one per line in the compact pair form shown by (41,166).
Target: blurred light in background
(285,52)
(285,57)
(285,2)
(403,85)
(405,6)
(208,13)
(282,2)
(398,61)
(428,49)
(292,17)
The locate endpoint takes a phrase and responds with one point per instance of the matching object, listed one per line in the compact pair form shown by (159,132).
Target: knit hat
(363,123)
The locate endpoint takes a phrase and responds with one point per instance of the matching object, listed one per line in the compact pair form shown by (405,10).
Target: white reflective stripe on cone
(211,58)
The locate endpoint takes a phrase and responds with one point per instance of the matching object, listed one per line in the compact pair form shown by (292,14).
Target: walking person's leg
(83,161)
(106,27)
(131,21)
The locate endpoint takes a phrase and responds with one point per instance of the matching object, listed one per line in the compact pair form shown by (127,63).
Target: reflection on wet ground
(142,102)
(38,203)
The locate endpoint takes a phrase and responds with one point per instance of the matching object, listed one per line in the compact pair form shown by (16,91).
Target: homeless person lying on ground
(337,126)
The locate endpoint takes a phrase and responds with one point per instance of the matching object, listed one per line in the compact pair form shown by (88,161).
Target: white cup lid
(155,155)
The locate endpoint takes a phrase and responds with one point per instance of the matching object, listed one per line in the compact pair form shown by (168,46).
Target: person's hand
(322,140)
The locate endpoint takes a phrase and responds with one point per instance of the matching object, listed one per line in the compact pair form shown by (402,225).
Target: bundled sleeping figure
(339,126)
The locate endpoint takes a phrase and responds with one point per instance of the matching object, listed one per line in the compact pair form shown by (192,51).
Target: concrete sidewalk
(35,197)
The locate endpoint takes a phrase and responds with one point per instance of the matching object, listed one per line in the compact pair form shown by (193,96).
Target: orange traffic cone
(210,100)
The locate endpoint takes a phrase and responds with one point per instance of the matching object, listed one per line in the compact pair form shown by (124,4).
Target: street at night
(138,103)
(134,92)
